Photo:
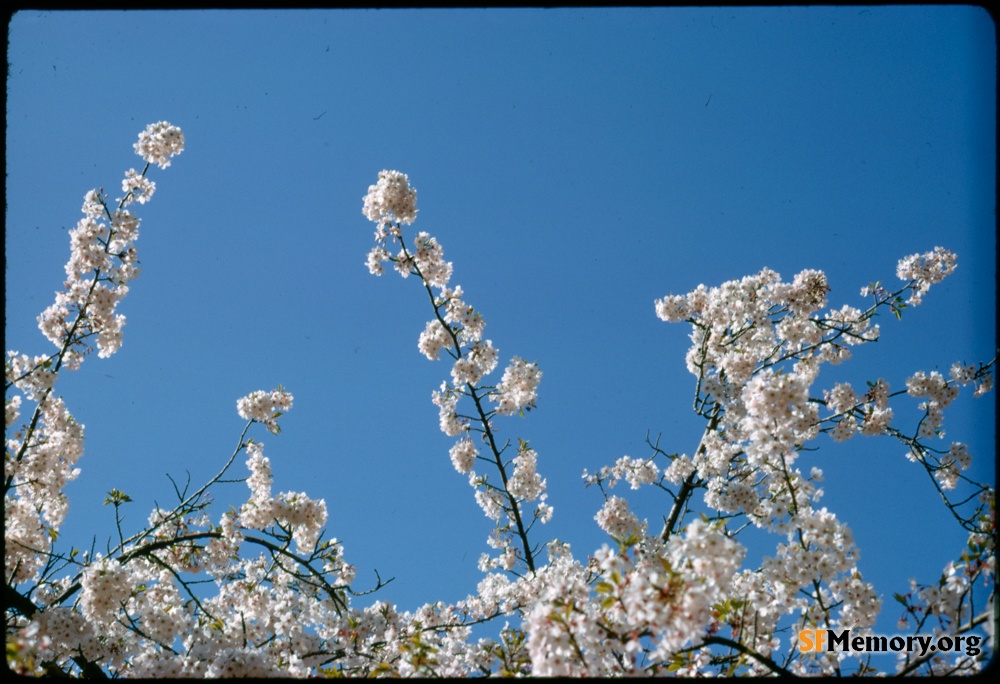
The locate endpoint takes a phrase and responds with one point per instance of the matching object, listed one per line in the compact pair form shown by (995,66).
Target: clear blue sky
(575,164)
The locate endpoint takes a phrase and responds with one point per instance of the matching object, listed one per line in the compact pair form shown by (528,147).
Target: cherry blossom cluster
(648,603)
(981,377)
(925,270)
(46,454)
(391,199)
(159,143)
(290,510)
(618,521)
(265,407)
(518,388)
(102,262)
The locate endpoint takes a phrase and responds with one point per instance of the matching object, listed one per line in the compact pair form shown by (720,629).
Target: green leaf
(117,497)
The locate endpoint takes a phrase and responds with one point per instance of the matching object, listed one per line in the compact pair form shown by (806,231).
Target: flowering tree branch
(457,328)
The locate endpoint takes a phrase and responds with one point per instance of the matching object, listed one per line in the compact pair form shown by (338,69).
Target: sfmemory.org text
(831,640)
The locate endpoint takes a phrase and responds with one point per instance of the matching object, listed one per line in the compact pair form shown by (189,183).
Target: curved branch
(762,659)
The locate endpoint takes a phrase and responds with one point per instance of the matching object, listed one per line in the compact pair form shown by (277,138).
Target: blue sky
(575,164)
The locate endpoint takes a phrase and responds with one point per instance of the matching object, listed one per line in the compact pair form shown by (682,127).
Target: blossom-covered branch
(457,329)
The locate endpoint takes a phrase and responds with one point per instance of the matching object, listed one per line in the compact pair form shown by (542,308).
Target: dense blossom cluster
(391,199)
(617,520)
(518,388)
(291,510)
(925,270)
(159,142)
(649,603)
(265,407)
(278,599)
(138,187)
